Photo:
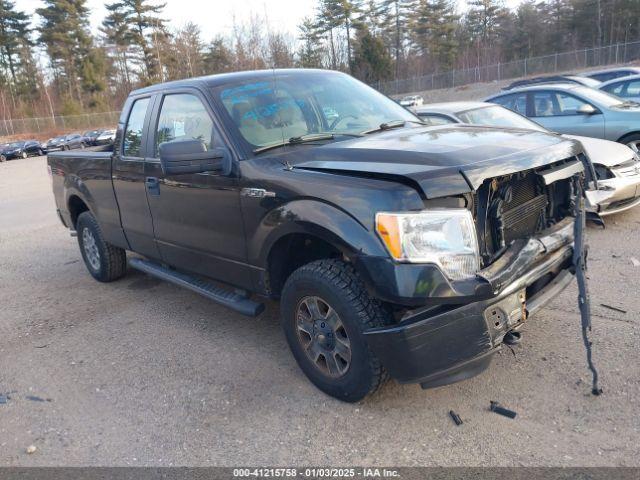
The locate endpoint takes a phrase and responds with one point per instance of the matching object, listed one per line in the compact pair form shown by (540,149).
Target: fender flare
(319,219)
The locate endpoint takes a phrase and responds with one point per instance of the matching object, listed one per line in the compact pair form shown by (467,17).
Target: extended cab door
(128,176)
(197,219)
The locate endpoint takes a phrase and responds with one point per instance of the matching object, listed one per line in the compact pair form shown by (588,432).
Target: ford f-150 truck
(395,248)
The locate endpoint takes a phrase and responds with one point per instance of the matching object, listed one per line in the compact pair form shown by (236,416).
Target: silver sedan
(617,167)
(576,110)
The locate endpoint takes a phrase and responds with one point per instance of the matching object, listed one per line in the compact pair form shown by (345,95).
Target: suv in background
(576,110)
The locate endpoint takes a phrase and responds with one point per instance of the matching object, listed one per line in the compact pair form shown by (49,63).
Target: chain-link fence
(38,126)
(558,62)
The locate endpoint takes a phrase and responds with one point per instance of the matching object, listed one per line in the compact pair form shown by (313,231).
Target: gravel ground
(139,372)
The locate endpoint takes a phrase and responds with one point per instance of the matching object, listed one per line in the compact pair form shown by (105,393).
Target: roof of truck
(232,77)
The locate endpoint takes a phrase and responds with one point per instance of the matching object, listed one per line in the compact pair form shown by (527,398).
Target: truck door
(128,176)
(197,220)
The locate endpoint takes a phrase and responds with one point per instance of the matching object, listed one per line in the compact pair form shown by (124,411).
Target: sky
(216,16)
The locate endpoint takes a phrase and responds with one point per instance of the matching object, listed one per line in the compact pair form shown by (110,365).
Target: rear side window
(184,117)
(615,88)
(516,102)
(133,132)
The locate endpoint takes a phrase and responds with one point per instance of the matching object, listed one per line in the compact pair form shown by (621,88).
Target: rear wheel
(325,309)
(3,158)
(104,261)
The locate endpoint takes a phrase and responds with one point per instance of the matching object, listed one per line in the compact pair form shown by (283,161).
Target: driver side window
(184,117)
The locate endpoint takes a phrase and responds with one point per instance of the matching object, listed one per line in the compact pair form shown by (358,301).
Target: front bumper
(441,344)
(615,195)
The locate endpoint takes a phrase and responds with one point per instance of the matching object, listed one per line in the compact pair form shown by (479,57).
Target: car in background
(411,101)
(611,73)
(617,167)
(576,110)
(21,149)
(90,136)
(65,142)
(106,137)
(627,88)
(587,82)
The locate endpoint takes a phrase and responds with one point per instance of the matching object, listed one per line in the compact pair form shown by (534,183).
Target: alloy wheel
(323,336)
(634,145)
(91,249)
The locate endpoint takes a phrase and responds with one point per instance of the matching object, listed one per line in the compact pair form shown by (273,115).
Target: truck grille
(516,207)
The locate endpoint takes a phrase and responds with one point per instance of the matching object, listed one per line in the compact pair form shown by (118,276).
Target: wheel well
(291,252)
(624,137)
(76,207)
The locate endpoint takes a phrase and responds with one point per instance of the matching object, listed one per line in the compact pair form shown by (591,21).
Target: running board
(220,295)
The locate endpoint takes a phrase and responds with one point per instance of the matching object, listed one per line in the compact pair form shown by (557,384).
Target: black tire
(24,155)
(3,158)
(632,141)
(40,152)
(337,284)
(111,262)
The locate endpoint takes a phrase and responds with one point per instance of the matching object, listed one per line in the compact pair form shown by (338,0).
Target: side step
(225,297)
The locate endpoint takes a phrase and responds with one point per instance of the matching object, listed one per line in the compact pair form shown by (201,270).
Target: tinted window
(133,132)
(434,119)
(615,88)
(516,102)
(184,117)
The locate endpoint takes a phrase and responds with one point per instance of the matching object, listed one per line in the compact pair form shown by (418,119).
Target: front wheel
(3,158)
(24,155)
(633,142)
(324,311)
(104,261)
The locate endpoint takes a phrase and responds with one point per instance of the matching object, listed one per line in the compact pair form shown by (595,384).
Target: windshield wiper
(628,104)
(309,137)
(389,125)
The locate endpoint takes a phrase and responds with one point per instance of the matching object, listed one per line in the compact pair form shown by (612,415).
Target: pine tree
(395,18)
(310,50)
(14,35)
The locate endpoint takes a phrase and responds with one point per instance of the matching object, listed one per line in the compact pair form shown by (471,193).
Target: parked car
(617,166)
(576,110)
(106,137)
(587,82)
(365,228)
(627,88)
(89,137)
(65,142)
(611,73)
(411,101)
(21,149)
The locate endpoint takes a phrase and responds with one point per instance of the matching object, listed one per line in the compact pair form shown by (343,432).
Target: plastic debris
(3,399)
(456,417)
(635,261)
(500,410)
(615,309)
(31,449)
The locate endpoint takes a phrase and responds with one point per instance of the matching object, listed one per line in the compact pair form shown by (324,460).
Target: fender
(313,217)
(74,186)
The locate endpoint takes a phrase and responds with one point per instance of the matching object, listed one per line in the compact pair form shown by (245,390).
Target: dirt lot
(139,372)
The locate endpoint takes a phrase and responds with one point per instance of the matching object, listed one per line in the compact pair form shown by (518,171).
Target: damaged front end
(526,224)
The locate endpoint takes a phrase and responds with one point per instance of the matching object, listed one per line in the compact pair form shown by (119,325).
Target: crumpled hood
(440,161)
(604,152)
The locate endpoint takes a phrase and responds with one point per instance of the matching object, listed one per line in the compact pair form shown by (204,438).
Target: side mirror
(191,156)
(587,109)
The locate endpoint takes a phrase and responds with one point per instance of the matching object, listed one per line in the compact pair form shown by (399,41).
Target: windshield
(269,111)
(598,96)
(497,116)
(16,144)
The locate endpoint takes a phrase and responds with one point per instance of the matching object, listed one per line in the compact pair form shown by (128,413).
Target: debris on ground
(31,449)
(635,261)
(3,399)
(615,309)
(456,417)
(500,410)
(34,398)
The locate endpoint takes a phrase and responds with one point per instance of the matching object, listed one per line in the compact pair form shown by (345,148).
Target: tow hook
(512,338)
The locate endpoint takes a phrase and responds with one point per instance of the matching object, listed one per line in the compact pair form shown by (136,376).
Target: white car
(412,101)
(617,166)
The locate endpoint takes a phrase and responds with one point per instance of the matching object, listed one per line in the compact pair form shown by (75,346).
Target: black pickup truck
(395,248)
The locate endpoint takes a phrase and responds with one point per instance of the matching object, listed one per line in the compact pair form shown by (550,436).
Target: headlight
(446,238)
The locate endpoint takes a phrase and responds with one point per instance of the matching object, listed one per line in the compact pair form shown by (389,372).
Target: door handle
(153,185)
